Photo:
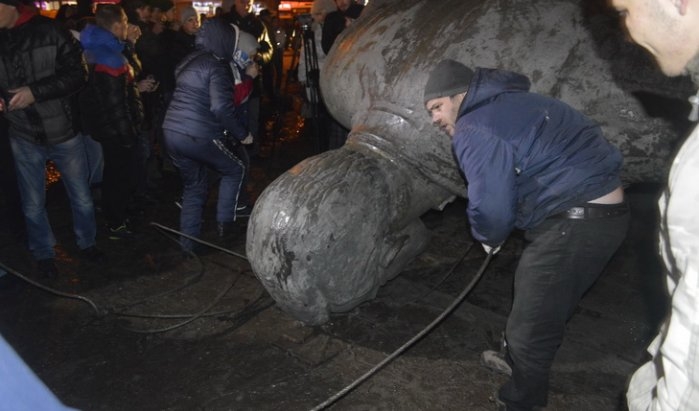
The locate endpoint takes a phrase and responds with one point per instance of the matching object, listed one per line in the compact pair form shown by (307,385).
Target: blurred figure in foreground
(670,380)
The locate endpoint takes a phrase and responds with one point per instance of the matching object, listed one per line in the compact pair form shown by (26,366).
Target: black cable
(190,281)
(192,318)
(99,312)
(198,240)
(189,318)
(410,342)
(444,277)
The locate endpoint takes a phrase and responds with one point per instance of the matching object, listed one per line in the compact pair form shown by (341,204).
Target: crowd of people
(131,91)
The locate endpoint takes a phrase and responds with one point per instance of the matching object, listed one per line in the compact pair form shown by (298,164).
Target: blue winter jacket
(202,104)
(526,156)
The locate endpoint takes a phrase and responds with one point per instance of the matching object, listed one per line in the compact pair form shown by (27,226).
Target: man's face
(144,13)
(8,16)
(169,15)
(664,29)
(120,28)
(191,26)
(243,7)
(343,5)
(318,17)
(156,15)
(443,112)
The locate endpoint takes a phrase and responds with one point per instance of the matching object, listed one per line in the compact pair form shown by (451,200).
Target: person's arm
(69,77)
(221,90)
(488,164)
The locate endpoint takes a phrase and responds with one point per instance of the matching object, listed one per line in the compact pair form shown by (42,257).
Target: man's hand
(147,85)
(490,250)
(247,140)
(133,33)
(23,98)
(253,70)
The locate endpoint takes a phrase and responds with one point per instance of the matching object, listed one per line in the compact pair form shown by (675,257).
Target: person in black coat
(41,68)
(112,111)
(337,21)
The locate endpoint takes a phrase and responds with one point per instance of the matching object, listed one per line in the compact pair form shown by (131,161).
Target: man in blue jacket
(531,163)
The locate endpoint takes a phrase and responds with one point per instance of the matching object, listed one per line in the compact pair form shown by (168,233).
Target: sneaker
(47,268)
(495,361)
(120,232)
(243,211)
(93,254)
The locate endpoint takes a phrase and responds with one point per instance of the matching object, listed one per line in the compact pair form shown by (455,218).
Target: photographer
(311,61)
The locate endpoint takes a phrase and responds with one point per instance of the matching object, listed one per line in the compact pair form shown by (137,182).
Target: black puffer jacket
(110,104)
(44,56)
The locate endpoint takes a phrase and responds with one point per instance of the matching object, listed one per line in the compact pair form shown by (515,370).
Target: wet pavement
(154,330)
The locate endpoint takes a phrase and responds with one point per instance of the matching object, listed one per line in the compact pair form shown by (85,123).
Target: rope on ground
(193,317)
(198,240)
(458,300)
(98,311)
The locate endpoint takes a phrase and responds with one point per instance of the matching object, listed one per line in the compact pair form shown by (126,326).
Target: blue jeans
(192,156)
(561,261)
(71,160)
(95,159)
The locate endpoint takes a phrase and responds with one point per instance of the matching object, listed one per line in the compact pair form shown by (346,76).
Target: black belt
(596,211)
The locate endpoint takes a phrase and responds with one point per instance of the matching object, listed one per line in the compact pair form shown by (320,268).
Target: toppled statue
(329,232)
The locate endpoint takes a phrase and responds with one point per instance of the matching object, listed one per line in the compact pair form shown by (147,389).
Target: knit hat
(323,6)
(447,79)
(186,13)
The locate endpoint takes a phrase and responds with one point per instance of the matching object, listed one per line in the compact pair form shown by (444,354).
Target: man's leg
(71,160)
(232,168)
(30,162)
(562,259)
(95,159)
(193,173)
(118,184)
(12,218)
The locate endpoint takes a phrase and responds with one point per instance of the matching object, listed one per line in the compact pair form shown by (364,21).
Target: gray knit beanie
(447,79)
(186,13)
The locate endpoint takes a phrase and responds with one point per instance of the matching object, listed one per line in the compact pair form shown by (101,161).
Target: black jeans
(118,181)
(561,261)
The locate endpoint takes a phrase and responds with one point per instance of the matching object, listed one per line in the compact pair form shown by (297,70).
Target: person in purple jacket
(532,163)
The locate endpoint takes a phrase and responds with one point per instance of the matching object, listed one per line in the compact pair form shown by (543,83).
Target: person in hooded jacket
(202,128)
(532,163)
